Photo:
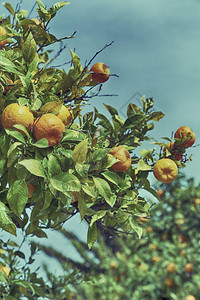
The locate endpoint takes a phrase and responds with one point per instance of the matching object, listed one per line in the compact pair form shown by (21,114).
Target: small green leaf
(9,8)
(111,110)
(136,228)
(17,196)
(133,121)
(82,207)
(111,176)
(99,215)
(80,152)
(65,182)
(5,221)
(104,190)
(53,165)
(156,116)
(42,143)
(34,166)
(92,235)
(143,166)
(16,134)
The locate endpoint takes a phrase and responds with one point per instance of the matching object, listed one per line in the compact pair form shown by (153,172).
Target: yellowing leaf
(80,152)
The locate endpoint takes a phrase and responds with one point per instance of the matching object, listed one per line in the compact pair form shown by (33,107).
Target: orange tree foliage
(163,265)
(80,164)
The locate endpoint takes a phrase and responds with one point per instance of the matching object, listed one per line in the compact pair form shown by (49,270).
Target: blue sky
(155,53)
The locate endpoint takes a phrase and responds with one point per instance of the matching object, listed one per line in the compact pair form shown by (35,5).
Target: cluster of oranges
(165,169)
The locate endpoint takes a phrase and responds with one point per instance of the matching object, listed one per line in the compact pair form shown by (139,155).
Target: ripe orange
(15,114)
(174,150)
(113,264)
(190,297)
(160,193)
(185,131)
(149,229)
(142,219)
(169,282)
(64,114)
(100,72)
(31,189)
(188,267)
(196,201)
(5,270)
(50,127)
(156,258)
(165,170)
(3,32)
(171,267)
(124,158)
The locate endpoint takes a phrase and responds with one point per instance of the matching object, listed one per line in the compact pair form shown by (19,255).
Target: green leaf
(53,10)
(136,228)
(92,235)
(156,116)
(111,110)
(65,182)
(89,190)
(42,143)
(134,120)
(53,165)
(17,196)
(5,221)
(99,154)
(43,13)
(80,152)
(73,136)
(82,207)
(9,8)
(8,65)
(104,190)
(29,48)
(111,176)
(16,134)
(99,215)
(34,166)
(143,166)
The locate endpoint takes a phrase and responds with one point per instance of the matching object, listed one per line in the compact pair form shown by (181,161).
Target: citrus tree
(57,162)
(164,264)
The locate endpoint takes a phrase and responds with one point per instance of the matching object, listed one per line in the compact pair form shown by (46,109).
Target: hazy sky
(155,53)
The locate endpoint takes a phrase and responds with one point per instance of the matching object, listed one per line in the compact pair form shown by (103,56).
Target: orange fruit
(156,258)
(113,264)
(148,229)
(169,282)
(3,32)
(185,132)
(64,114)
(188,267)
(165,170)
(160,193)
(190,297)
(142,219)
(174,150)
(124,158)
(31,189)
(196,201)
(50,127)
(152,247)
(5,270)
(171,267)
(15,114)
(100,72)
